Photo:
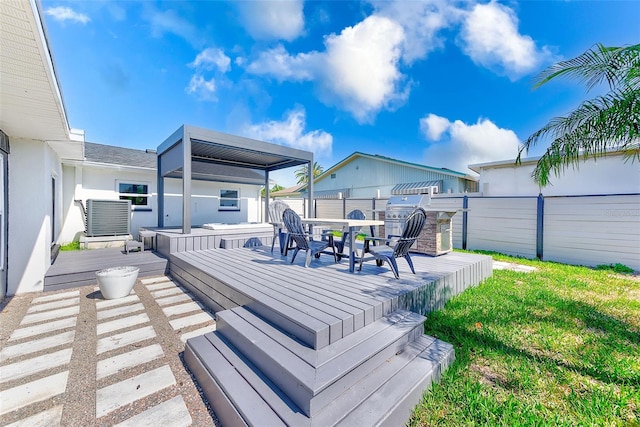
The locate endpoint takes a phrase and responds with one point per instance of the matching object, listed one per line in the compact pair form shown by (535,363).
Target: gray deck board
(323,303)
(78,268)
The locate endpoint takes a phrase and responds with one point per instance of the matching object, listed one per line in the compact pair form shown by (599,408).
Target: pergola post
(186,182)
(310,213)
(160,191)
(266,196)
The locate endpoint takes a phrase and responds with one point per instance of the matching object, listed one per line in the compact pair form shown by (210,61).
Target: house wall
(90,182)
(364,176)
(607,175)
(31,167)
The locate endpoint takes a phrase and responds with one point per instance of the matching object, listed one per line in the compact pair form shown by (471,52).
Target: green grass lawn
(559,346)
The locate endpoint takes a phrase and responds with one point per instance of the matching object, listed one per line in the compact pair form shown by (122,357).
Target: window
(333,176)
(137,193)
(229,200)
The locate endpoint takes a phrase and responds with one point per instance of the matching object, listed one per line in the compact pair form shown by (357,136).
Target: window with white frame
(229,200)
(138,193)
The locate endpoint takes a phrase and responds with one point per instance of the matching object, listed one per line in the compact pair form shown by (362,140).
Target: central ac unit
(108,217)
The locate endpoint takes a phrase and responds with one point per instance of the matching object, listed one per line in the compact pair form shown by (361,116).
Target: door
(4,209)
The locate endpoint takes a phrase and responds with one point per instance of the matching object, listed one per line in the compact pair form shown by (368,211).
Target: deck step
(288,313)
(241,394)
(315,379)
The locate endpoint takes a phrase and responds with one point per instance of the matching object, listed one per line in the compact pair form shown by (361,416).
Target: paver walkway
(72,358)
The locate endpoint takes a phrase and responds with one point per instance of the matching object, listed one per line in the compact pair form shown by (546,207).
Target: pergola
(197,153)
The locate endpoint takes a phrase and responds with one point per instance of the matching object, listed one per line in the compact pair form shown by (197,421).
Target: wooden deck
(318,346)
(323,303)
(77,268)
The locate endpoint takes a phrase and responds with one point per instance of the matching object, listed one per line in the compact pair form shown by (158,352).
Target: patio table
(353,224)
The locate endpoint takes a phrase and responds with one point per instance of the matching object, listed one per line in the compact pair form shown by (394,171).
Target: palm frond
(595,127)
(618,66)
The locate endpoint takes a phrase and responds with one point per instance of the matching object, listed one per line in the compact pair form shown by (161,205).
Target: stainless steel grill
(436,236)
(398,209)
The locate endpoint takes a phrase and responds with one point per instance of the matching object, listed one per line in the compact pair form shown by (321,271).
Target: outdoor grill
(436,236)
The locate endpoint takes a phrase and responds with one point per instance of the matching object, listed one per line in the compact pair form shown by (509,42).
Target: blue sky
(436,82)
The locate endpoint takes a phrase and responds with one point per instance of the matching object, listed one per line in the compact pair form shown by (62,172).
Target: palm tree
(302,173)
(276,187)
(610,121)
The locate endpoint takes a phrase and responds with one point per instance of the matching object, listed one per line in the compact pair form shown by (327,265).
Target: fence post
(465,205)
(344,207)
(540,228)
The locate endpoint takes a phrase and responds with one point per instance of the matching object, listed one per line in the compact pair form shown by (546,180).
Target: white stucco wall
(31,167)
(92,182)
(608,175)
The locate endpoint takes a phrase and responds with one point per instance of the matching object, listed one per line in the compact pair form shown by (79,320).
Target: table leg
(352,249)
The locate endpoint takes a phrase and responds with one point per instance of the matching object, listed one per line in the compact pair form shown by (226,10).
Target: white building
(605,175)
(111,173)
(45,166)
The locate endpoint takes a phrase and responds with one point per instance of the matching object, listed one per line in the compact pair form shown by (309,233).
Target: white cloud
(277,62)
(203,89)
(273,19)
(63,14)
(211,59)
(421,21)
(434,126)
(467,144)
(361,67)
(490,36)
(291,132)
(358,71)
(169,22)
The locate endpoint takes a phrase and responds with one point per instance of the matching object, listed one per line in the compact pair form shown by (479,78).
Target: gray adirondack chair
(412,228)
(302,239)
(276,209)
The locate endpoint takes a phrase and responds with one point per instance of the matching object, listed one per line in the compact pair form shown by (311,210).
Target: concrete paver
(132,353)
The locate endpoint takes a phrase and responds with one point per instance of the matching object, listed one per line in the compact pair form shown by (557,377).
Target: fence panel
(328,208)
(365,205)
(506,225)
(593,230)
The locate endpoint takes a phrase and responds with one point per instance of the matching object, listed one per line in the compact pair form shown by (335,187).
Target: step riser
(224,409)
(332,392)
(392,403)
(310,401)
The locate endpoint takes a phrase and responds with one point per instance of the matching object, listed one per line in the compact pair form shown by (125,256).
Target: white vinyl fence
(583,230)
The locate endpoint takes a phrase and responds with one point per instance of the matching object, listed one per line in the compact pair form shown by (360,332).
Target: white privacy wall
(32,165)
(91,182)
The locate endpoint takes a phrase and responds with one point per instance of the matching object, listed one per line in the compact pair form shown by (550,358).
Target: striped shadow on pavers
(119,311)
(35,346)
(198,332)
(150,280)
(32,392)
(172,413)
(122,393)
(43,328)
(100,305)
(50,417)
(167,292)
(174,310)
(50,315)
(55,297)
(34,365)
(174,299)
(125,322)
(126,338)
(161,285)
(54,304)
(121,362)
(195,319)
